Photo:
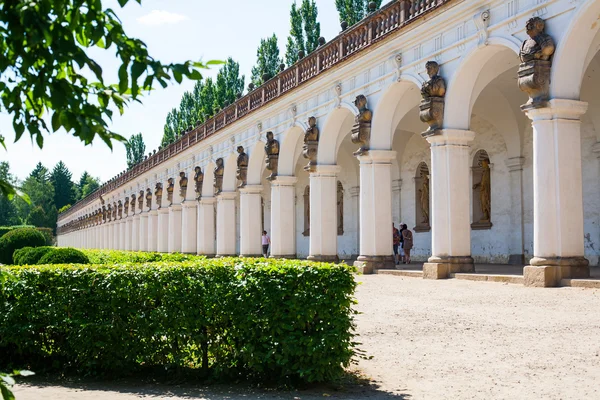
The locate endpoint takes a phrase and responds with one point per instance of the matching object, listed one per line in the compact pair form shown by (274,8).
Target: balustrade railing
(375,27)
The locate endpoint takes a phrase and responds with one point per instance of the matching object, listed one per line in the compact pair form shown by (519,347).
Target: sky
(174,31)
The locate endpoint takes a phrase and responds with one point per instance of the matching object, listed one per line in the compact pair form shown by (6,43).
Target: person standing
(266,241)
(407,243)
(397,238)
(401,250)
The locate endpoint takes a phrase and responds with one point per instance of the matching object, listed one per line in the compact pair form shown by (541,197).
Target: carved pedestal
(534,79)
(432,113)
(310,153)
(361,134)
(272,165)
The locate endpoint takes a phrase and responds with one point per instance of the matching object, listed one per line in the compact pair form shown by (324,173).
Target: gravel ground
(435,340)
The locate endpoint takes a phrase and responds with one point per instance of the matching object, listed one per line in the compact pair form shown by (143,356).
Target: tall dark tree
(267,60)
(353,11)
(40,189)
(8,210)
(228,84)
(47,46)
(136,148)
(64,188)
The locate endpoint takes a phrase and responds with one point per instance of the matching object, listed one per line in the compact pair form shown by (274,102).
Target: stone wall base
(516,259)
(369,264)
(442,267)
(251,255)
(284,256)
(323,258)
(548,272)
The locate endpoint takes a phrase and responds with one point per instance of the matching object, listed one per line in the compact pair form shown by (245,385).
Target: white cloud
(161,17)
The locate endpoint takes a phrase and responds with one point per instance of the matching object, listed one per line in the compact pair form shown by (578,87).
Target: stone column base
(369,264)
(333,259)
(287,257)
(548,272)
(207,255)
(251,256)
(225,255)
(442,267)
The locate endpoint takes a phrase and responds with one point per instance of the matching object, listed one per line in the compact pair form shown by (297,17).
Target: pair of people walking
(403,243)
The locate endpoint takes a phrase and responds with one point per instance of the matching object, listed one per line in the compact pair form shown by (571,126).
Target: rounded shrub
(17,239)
(30,255)
(64,256)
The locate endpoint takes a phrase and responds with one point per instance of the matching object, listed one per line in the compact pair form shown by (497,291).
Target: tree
(45,48)
(228,84)
(267,60)
(136,148)
(64,188)
(91,185)
(353,11)
(304,32)
(41,192)
(8,210)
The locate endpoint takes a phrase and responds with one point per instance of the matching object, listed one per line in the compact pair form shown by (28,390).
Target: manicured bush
(274,320)
(119,257)
(17,239)
(61,255)
(30,255)
(47,232)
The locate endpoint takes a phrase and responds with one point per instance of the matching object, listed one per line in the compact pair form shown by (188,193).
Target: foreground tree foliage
(46,73)
(352,11)
(136,148)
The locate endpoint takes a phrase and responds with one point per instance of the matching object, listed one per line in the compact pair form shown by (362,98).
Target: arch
(256,163)
(572,50)
(477,69)
(229,176)
(391,109)
(338,124)
(291,149)
(209,177)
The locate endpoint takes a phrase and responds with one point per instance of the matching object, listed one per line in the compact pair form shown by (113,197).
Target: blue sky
(174,30)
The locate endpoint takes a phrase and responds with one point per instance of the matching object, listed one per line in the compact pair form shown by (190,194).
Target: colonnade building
(476,123)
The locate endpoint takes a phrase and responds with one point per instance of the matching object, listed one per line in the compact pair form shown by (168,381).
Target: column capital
(163,210)
(377,157)
(175,207)
(515,163)
(326,170)
(251,189)
(226,196)
(189,204)
(284,181)
(559,109)
(207,200)
(451,137)
(153,212)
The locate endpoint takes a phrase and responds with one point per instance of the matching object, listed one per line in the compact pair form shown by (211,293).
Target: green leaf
(123,78)
(6,393)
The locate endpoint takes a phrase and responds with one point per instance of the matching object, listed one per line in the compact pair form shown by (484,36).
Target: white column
(135,232)
(376,245)
(127,241)
(152,230)
(450,204)
(116,235)
(175,228)
(206,226)
(283,217)
(558,235)
(163,230)
(106,234)
(189,219)
(516,243)
(323,213)
(226,224)
(251,221)
(143,232)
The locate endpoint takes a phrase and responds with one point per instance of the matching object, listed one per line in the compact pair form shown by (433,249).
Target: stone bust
(272,155)
(133,197)
(435,86)
(361,131)
(158,192)
(311,143)
(149,198)
(539,46)
(242,166)
(219,171)
(183,184)
(141,201)
(433,92)
(199,181)
(170,189)
(126,206)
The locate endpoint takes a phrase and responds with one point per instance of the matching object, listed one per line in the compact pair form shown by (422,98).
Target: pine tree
(40,189)
(64,192)
(136,148)
(352,11)
(267,60)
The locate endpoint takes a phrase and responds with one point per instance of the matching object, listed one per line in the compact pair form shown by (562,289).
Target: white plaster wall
(591,189)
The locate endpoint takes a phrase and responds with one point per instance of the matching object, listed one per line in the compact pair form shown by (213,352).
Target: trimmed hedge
(30,255)
(275,320)
(17,239)
(119,257)
(59,255)
(47,232)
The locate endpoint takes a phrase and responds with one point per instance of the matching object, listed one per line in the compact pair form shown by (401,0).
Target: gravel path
(437,340)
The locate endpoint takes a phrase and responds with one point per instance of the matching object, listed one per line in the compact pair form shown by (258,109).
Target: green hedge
(274,320)
(119,257)
(60,255)
(17,239)
(30,255)
(47,232)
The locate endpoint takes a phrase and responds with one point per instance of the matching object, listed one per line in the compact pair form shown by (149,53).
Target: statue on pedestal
(361,131)
(158,192)
(242,167)
(120,209)
(485,189)
(126,206)
(141,201)
(170,189)
(432,105)
(183,184)
(104,213)
(424,199)
(199,181)
(272,155)
(133,197)
(149,198)
(311,144)
(536,62)
(114,211)
(219,171)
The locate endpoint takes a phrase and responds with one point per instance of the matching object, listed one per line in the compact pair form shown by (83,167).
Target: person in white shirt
(266,241)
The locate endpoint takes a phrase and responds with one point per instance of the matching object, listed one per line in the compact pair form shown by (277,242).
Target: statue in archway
(424,199)
(242,166)
(149,198)
(104,213)
(141,201)
(536,62)
(170,190)
(272,155)
(133,197)
(433,92)
(219,171)
(183,184)
(126,206)
(361,131)
(115,208)
(158,192)
(311,144)
(198,182)
(485,188)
